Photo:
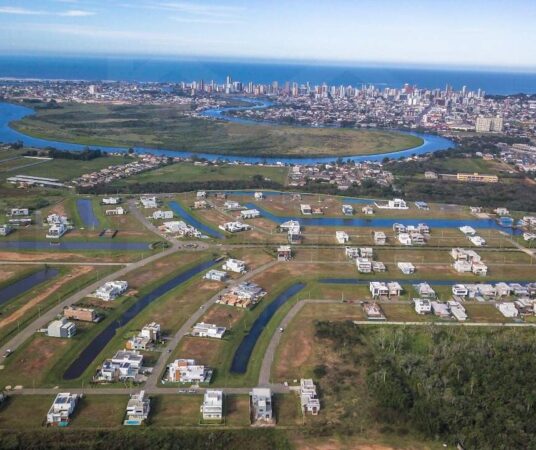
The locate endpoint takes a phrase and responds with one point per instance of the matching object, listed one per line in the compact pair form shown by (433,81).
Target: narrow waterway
(245,349)
(23,285)
(88,355)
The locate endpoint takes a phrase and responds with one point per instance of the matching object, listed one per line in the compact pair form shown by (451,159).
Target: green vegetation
(442,382)
(169,127)
(189,172)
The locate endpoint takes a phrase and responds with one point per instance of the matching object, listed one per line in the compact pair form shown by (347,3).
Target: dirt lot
(76,272)
(203,350)
(223,316)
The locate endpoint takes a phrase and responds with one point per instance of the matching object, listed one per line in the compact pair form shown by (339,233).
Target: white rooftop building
(235,265)
(62,409)
(308,397)
(61,328)
(234,227)
(149,202)
(406,268)
(138,408)
(507,309)
(187,371)
(342,237)
(261,405)
(111,290)
(210,330)
(422,306)
(212,407)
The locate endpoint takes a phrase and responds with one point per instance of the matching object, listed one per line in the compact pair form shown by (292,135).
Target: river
(10,113)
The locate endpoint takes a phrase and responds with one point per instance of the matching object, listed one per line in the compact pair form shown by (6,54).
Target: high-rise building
(489,124)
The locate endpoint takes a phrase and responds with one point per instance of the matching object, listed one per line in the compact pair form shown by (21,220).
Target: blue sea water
(174,70)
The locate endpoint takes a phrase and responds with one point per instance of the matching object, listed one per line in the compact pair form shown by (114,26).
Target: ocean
(174,70)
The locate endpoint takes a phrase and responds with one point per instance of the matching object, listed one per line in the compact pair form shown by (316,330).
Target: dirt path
(76,272)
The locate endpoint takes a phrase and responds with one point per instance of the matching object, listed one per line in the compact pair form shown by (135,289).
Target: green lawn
(168,127)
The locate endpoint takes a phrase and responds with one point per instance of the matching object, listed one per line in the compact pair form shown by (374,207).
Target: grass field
(168,127)
(62,169)
(188,172)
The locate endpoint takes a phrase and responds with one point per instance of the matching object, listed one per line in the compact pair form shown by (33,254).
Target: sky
(473,33)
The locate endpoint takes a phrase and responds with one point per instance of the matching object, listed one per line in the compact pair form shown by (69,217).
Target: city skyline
(480,34)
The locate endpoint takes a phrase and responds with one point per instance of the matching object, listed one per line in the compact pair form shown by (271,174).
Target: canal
(88,355)
(191,220)
(25,284)
(245,349)
(86,212)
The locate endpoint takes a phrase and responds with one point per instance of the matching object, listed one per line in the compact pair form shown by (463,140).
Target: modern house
(348,210)
(61,328)
(425,291)
(284,253)
(396,203)
(404,239)
(467,230)
(258,196)
(244,295)
(459,290)
(81,314)
(138,408)
(62,409)
(111,200)
(306,209)
(378,266)
(124,365)
(380,238)
(250,214)
(187,371)
(364,265)
(406,268)
(234,227)
(149,202)
(261,412)
(212,407)
(457,310)
(14,212)
(367,210)
(216,275)
(342,237)
(201,195)
(440,310)
(209,330)
(235,265)
(119,211)
(56,231)
(231,205)
(508,310)
(422,306)
(373,311)
(160,214)
(366,252)
(111,290)
(308,397)
(477,241)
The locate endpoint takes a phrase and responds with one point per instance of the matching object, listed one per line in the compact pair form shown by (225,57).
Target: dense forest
(145,439)
(473,387)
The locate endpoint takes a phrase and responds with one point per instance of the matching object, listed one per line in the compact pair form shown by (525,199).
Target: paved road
(63,263)
(518,245)
(158,368)
(49,315)
(266,366)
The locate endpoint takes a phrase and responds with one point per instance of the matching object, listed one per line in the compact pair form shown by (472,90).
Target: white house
(149,202)
(364,265)
(235,265)
(187,371)
(119,211)
(111,290)
(404,239)
(440,309)
(61,328)
(347,210)
(342,237)
(216,275)
(111,200)
(212,407)
(284,253)
(467,230)
(56,231)
(151,331)
(209,330)
(460,290)
(160,214)
(457,310)
(306,209)
(261,405)
(250,214)
(406,268)
(396,203)
(124,365)
(477,241)
(366,252)
(501,211)
(425,290)
(13,212)
(201,195)
(422,306)
(507,309)
(62,409)
(380,238)
(231,205)
(378,266)
(234,227)
(308,397)
(479,268)
(462,266)
(138,408)
(367,210)
(258,196)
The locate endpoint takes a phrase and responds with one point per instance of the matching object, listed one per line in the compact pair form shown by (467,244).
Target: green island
(173,127)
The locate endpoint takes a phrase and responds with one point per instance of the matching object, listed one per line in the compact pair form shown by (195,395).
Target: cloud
(76,13)
(207,20)
(20,11)
(201,10)
(36,12)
